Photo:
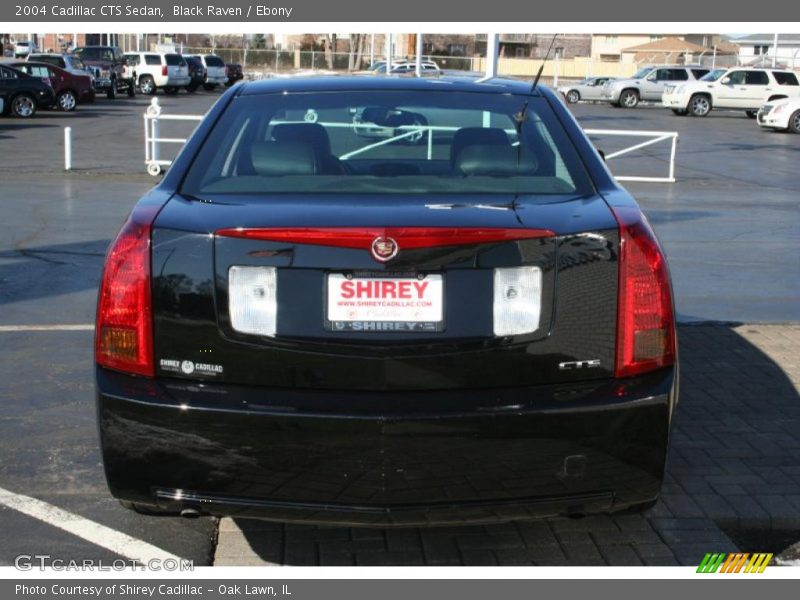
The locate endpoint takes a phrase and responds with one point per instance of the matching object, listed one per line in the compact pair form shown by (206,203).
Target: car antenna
(523,114)
(520,116)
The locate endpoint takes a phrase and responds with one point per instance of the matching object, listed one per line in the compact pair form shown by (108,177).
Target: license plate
(385,303)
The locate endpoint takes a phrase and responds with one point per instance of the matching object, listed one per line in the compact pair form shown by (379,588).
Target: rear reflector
(517,300)
(645,321)
(253,299)
(123,333)
(407,238)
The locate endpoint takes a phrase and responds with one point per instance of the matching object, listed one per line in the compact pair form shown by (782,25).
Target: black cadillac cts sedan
(386,301)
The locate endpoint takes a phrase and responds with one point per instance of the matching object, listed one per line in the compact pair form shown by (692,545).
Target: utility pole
(775,51)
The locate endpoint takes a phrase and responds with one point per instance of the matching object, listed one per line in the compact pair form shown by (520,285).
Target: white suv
(153,70)
(743,88)
(215,71)
(648,84)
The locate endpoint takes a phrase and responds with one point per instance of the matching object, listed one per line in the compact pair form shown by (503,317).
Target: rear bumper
(176,81)
(385,458)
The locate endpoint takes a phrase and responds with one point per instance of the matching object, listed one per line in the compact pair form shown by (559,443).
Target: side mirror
(651,77)
(725,80)
(602,154)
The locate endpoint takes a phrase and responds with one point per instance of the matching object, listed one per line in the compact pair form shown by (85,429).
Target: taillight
(123,332)
(645,322)
(164,70)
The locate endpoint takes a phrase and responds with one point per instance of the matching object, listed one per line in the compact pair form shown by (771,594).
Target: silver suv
(648,84)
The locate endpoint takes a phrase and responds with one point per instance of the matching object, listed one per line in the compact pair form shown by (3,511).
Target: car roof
(37,63)
(349,83)
(751,68)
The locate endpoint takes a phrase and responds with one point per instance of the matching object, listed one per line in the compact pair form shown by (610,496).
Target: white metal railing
(154,163)
(152,136)
(655,137)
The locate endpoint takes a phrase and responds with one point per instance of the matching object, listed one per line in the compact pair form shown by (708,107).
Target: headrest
(494,161)
(283,158)
(468,136)
(310,133)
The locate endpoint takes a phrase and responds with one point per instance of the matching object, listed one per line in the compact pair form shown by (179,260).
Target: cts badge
(384,248)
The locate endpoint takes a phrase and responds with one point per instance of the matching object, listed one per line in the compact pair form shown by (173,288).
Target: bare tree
(330,48)
(357,41)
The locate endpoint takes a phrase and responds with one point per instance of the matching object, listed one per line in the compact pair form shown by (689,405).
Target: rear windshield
(713,75)
(214,61)
(175,60)
(106,54)
(400,142)
(784,78)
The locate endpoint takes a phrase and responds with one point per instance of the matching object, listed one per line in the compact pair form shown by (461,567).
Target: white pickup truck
(742,88)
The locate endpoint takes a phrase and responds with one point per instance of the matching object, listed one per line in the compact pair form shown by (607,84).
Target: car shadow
(732,478)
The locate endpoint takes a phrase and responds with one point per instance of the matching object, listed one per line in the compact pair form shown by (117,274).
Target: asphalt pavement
(731,229)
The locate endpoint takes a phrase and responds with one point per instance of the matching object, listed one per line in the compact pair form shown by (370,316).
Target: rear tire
(629,99)
(111,92)
(636,509)
(23,106)
(209,87)
(699,105)
(66,101)
(171,90)
(573,96)
(794,122)
(147,85)
(144,509)
(751,114)
(131,88)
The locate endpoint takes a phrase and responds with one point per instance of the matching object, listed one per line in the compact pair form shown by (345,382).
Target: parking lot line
(79,327)
(95,533)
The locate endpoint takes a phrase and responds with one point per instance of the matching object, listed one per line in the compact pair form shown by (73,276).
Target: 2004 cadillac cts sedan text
(457,316)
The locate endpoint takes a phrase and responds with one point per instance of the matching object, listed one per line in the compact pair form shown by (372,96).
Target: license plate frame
(386,319)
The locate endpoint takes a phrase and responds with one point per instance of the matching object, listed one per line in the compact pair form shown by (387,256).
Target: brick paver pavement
(734,465)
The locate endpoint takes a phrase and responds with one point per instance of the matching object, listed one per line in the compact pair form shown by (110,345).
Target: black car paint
(451,429)
(22,83)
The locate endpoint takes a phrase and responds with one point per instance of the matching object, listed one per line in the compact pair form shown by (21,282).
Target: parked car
(197,73)
(234,73)
(108,64)
(590,88)
(427,66)
(742,88)
(407,126)
(158,70)
(648,84)
(23,94)
(68,62)
(783,115)
(215,71)
(70,89)
(299,325)
(379,66)
(23,48)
